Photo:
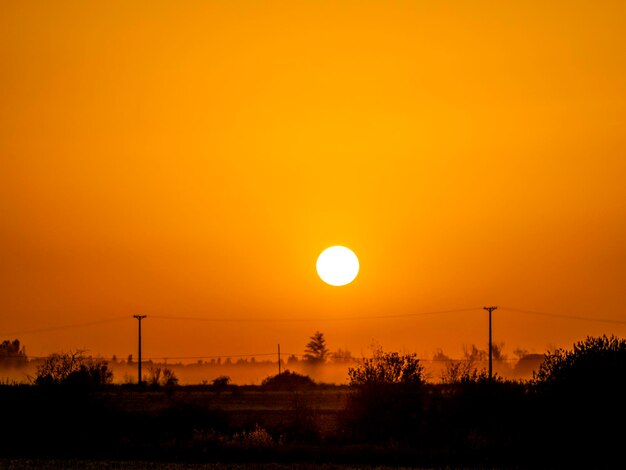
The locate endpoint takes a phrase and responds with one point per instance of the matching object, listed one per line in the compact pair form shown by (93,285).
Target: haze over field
(191,159)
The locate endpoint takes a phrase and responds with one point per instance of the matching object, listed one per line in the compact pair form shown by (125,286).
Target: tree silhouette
(316,350)
(474,354)
(161,377)
(73,369)
(11,354)
(341,355)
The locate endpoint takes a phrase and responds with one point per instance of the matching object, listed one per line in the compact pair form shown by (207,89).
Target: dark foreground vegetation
(571,415)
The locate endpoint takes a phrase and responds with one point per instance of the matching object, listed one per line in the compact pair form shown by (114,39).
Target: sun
(337,265)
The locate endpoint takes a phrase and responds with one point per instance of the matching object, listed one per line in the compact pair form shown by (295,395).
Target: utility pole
(490,309)
(139,317)
(278,358)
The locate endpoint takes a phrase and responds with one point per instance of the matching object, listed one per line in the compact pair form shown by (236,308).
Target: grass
(243,407)
(53,464)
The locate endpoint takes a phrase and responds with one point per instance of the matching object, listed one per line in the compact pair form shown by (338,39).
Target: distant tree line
(12,354)
(316,353)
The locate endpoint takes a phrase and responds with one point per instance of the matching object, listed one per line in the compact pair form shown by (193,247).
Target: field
(244,407)
(246,427)
(27,464)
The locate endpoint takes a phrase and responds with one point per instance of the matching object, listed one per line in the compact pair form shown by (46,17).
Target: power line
(63,327)
(295,320)
(221,356)
(322,319)
(569,317)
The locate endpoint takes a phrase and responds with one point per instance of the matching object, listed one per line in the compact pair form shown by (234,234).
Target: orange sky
(192,158)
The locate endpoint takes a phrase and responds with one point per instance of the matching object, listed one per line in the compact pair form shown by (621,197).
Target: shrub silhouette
(158,377)
(596,360)
(221,384)
(288,381)
(581,393)
(387,369)
(73,369)
(387,397)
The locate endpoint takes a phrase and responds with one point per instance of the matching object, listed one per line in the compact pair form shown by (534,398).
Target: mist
(250,371)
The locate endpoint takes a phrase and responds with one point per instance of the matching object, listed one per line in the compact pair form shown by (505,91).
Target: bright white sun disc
(337,266)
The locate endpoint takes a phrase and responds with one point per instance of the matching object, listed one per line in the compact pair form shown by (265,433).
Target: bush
(387,369)
(73,369)
(256,438)
(592,362)
(220,382)
(288,381)
(161,377)
(581,393)
(386,400)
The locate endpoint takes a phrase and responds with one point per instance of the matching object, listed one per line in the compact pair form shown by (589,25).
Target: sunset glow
(190,160)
